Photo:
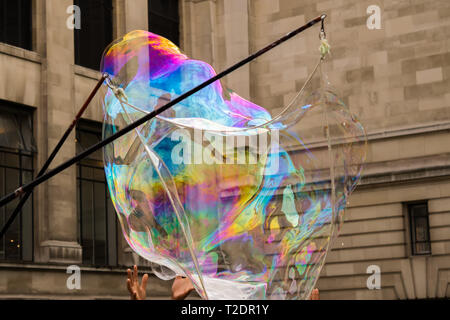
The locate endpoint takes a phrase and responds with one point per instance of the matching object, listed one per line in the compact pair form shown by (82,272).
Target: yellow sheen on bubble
(244,202)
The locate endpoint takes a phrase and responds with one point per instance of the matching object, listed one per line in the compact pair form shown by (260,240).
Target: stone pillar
(217,32)
(130,15)
(199,29)
(136,15)
(235,18)
(57,212)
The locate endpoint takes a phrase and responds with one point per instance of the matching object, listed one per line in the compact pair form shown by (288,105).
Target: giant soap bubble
(244,203)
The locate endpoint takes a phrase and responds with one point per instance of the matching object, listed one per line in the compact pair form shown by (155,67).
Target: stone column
(57,212)
(130,15)
(236,35)
(217,32)
(199,29)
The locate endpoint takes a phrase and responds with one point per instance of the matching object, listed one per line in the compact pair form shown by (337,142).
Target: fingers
(144,282)
(130,289)
(181,288)
(175,288)
(315,295)
(135,274)
(133,284)
(187,284)
(129,276)
(190,285)
(176,282)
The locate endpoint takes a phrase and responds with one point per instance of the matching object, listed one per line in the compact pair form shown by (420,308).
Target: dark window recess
(97,219)
(419,226)
(16,23)
(164,19)
(17,148)
(95,33)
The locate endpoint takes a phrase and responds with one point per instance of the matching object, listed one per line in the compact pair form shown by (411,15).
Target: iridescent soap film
(243,201)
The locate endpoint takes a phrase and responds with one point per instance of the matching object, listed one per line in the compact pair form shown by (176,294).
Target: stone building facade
(396,79)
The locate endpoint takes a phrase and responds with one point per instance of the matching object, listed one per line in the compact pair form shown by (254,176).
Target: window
(15,23)
(420,232)
(164,19)
(95,33)
(16,168)
(97,220)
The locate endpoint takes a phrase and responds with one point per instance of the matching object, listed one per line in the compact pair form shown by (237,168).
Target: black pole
(8,198)
(52,155)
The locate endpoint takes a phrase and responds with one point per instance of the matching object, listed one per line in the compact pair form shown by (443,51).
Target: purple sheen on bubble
(244,203)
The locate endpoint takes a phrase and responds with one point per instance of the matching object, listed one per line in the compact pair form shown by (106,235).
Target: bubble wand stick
(30,186)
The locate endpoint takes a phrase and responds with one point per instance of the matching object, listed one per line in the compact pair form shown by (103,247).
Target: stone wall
(396,80)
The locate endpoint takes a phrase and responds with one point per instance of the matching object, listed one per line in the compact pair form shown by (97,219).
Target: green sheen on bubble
(243,201)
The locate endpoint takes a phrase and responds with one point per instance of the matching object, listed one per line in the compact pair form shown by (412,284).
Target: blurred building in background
(396,79)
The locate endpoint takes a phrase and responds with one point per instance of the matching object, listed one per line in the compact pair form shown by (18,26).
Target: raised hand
(181,287)
(315,295)
(137,291)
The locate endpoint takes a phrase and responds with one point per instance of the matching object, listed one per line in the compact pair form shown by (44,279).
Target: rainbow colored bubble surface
(244,203)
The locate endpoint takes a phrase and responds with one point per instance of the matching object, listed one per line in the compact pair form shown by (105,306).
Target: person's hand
(181,287)
(137,292)
(315,295)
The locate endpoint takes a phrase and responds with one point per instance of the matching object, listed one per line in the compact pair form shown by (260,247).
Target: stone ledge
(20,53)
(196,1)
(86,72)
(385,134)
(63,297)
(61,251)
(401,166)
(50,282)
(405,176)
(36,266)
